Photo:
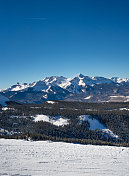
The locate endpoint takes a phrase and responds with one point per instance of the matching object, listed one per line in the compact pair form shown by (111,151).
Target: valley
(73,122)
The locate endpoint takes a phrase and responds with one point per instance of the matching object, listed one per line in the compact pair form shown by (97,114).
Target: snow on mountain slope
(78,88)
(119,80)
(3,100)
(100,80)
(96,125)
(55,80)
(92,80)
(109,133)
(43,158)
(78,81)
(39,86)
(20,87)
(119,98)
(17,87)
(86,80)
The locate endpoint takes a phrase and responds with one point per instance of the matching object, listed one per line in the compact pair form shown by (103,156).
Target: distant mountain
(80,88)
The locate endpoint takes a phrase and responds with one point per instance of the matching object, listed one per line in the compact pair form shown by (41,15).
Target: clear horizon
(63,38)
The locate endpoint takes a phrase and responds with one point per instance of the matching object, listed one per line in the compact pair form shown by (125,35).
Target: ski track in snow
(45,158)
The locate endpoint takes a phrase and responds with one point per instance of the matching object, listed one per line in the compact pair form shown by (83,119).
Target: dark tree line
(19,117)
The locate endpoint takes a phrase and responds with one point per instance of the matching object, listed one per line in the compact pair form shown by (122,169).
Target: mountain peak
(81,75)
(79,88)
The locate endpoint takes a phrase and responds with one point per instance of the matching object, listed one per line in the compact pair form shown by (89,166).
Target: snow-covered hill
(45,158)
(96,125)
(55,120)
(78,88)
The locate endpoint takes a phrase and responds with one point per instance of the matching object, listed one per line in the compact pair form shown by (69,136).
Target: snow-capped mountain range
(79,88)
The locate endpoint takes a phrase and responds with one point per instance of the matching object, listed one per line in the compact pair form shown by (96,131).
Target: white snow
(20,87)
(87,98)
(39,86)
(79,80)
(65,83)
(55,80)
(4,108)
(41,118)
(119,98)
(109,132)
(124,109)
(51,102)
(56,120)
(60,122)
(95,124)
(17,87)
(119,80)
(45,158)
(81,83)
(45,96)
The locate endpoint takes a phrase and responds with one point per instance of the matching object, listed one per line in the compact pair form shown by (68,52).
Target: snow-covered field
(44,158)
(55,120)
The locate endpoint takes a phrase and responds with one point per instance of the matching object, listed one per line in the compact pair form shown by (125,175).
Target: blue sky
(40,38)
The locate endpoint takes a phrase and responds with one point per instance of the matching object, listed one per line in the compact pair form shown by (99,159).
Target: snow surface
(51,102)
(45,158)
(124,109)
(109,132)
(20,87)
(55,80)
(65,83)
(81,83)
(5,109)
(119,80)
(87,98)
(17,87)
(39,86)
(119,98)
(57,120)
(96,125)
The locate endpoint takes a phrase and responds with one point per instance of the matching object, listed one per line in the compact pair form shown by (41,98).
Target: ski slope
(45,158)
